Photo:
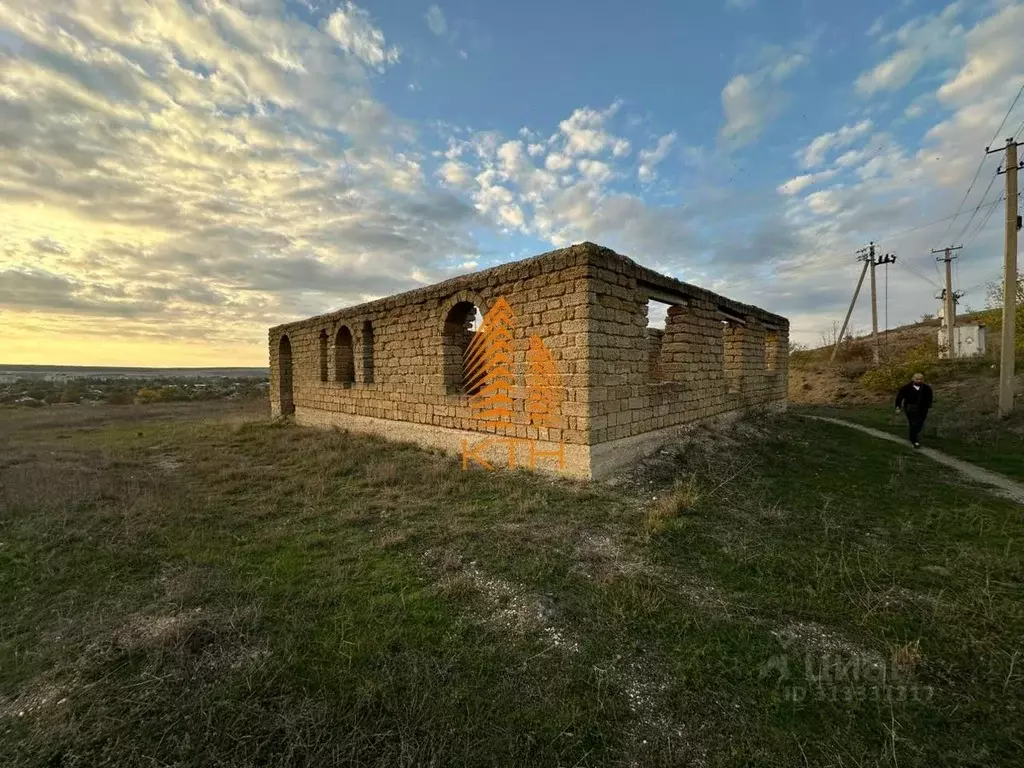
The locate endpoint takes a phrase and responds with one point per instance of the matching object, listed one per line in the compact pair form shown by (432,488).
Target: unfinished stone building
(562,375)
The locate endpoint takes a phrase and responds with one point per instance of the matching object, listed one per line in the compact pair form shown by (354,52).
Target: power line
(984,219)
(917,274)
(982,163)
(844,255)
(966,195)
(977,208)
(976,287)
(902,232)
(1014,104)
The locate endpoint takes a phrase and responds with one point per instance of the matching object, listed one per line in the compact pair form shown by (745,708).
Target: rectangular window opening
(658,362)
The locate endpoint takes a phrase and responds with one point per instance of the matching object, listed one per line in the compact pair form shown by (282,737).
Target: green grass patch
(239,593)
(981,439)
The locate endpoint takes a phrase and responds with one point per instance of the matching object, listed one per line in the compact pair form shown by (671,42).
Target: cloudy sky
(178,175)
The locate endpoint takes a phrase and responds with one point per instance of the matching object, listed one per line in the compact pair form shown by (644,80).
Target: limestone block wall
(395,366)
(713,355)
(400,358)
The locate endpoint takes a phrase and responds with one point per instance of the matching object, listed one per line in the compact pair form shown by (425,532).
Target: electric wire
(982,163)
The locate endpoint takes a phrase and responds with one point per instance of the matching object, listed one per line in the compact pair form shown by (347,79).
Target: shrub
(147,395)
(993,320)
(895,373)
(121,397)
(888,378)
(853,369)
(852,350)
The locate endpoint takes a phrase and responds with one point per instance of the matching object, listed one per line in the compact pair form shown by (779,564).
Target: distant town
(35,386)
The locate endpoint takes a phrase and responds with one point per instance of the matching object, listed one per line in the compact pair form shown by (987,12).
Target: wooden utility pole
(887,259)
(1007,347)
(849,312)
(949,319)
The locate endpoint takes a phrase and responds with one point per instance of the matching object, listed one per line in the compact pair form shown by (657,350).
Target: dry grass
(681,497)
(207,588)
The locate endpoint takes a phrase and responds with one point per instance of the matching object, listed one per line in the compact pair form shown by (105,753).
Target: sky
(176,176)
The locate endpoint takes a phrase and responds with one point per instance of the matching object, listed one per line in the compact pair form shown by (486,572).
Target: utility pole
(1007,349)
(887,259)
(849,312)
(950,311)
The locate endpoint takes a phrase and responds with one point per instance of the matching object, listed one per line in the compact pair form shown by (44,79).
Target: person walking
(915,398)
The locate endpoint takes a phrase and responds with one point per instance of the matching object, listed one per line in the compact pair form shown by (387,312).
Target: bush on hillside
(993,321)
(853,369)
(895,373)
(121,397)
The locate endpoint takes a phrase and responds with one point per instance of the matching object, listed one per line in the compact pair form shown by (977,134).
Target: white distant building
(969,341)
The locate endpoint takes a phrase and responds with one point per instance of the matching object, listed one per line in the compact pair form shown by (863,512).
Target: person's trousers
(915,423)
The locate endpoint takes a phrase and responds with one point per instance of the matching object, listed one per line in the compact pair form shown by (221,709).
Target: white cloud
(993,52)
(436,21)
(918,106)
(557,162)
(798,184)
(649,158)
(352,28)
(513,158)
(786,66)
(814,153)
(203,198)
(851,158)
(898,189)
(456,174)
(746,109)
(893,73)
(208,197)
(751,100)
(595,170)
(511,215)
(826,202)
(585,133)
(918,41)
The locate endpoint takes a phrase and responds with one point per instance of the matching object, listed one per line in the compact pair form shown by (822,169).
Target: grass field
(979,438)
(196,586)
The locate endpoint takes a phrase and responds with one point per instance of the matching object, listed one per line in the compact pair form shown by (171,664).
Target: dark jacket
(914,400)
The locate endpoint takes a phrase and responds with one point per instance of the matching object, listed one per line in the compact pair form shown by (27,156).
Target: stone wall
(415,341)
(712,354)
(394,366)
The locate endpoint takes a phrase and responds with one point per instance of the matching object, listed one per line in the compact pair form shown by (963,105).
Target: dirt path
(1000,484)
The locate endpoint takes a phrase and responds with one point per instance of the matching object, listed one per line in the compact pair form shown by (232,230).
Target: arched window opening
(368,352)
(284,376)
(323,355)
(459,327)
(344,357)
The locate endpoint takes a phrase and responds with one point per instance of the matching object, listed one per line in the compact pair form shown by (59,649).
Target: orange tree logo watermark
(489,382)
